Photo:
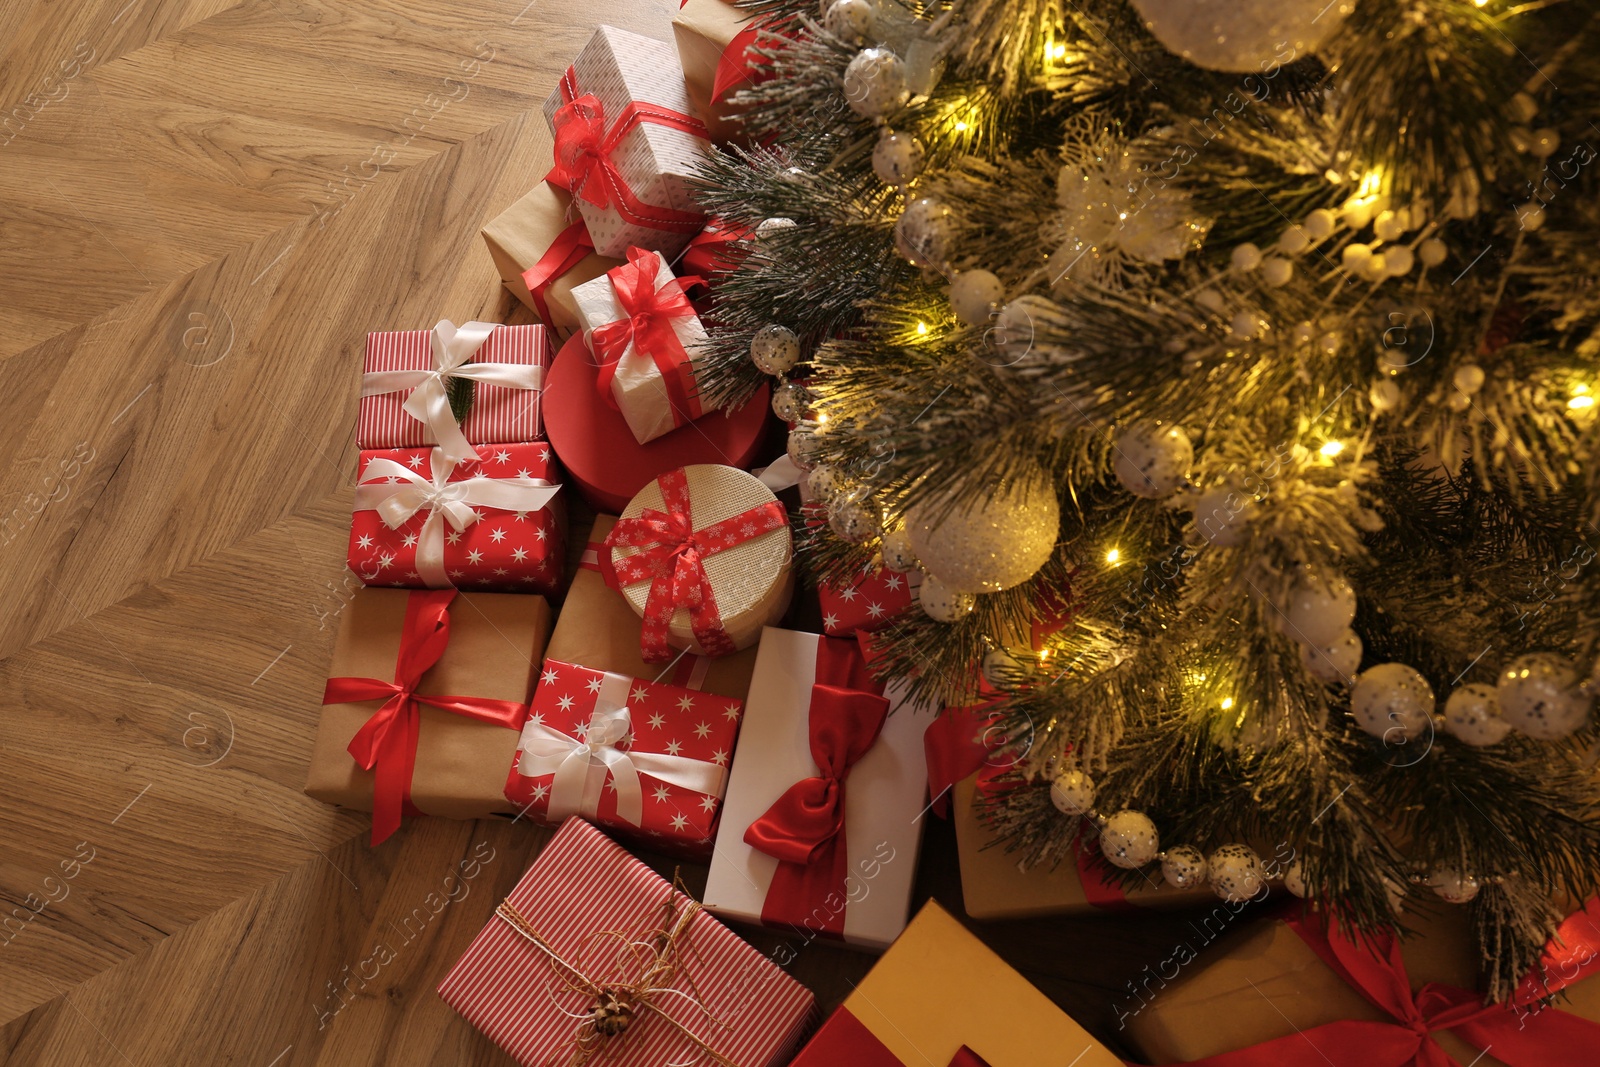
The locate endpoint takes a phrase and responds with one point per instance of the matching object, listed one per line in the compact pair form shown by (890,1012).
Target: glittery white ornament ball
(1235,872)
(943,604)
(854,520)
(991,540)
(898,555)
(923,232)
(1334,662)
(1321,606)
(767,227)
(1277,271)
(1472,716)
(849,20)
(974,295)
(1433,252)
(802,447)
(789,401)
(1539,696)
(875,83)
(1152,461)
(1221,515)
(1242,35)
(1320,224)
(1453,887)
(1468,378)
(824,483)
(775,349)
(1384,395)
(1072,793)
(1294,879)
(1000,669)
(1184,867)
(1015,326)
(897,158)
(1128,839)
(1246,257)
(1392,701)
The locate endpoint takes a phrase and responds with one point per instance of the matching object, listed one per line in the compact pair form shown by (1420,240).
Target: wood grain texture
(204,207)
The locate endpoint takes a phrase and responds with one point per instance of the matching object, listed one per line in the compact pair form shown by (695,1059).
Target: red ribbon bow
(648,314)
(585,148)
(386,744)
(804,828)
(672,561)
(571,246)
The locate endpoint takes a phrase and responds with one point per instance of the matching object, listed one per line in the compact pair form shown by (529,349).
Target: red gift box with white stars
(516,547)
(596,740)
(875,597)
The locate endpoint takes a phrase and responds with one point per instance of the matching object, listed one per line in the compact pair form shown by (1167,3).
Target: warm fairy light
(822,418)
(961,127)
(1058,51)
(1332,448)
(1044,654)
(1579,403)
(1371,183)
(1227,703)
(922,329)
(1114,556)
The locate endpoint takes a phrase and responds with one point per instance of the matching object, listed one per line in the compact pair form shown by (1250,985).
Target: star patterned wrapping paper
(591,735)
(480,547)
(867,603)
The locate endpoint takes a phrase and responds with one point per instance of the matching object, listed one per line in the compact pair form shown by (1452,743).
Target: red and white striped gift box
(582,886)
(499,414)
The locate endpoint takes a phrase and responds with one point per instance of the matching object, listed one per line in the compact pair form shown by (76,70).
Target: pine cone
(613,1012)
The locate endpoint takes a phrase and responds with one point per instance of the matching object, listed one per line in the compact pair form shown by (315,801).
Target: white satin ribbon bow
(429,401)
(446,501)
(580,767)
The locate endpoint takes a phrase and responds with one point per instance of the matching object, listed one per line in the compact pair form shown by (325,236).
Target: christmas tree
(1225,368)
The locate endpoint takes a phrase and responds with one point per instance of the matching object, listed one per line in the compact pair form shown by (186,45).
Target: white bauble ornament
(1539,696)
(1392,700)
(1128,839)
(1245,257)
(1220,515)
(1398,261)
(1321,606)
(854,521)
(898,554)
(1320,224)
(1453,887)
(767,227)
(943,604)
(922,234)
(775,349)
(824,483)
(803,446)
(992,540)
(1468,378)
(1472,716)
(1334,662)
(1072,793)
(875,83)
(897,158)
(1294,879)
(1152,461)
(1236,873)
(1184,867)
(1433,252)
(974,294)
(850,20)
(789,401)
(1015,326)
(1000,669)
(1242,35)
(1277,271)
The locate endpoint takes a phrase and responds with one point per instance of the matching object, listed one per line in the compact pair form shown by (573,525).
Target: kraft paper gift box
(496,525)
(869,601)
(585,921)
(447,760)
(1270,994)
(407,375)
(820,828)
(646,337)
(544,223)
(714,68)
(628,143)
(939,997)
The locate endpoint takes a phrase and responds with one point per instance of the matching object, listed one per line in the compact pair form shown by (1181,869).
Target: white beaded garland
(1245,257)
(1453,887)
(974,294)
(1321,606)
(922,234)
(1321,223)
(789,401)
(1128,839)
(1539,696)
(1432,252)
(1072,792)
(824,483)
(854,520)
(1014,326)
(1221,515)
(1242,35)
(1468,378)
(943,604)
(768,227)
(1184,867)
(775,349)
(1398,261)
(1472,716)
(1389,226)
(1294,879)
(1277,271)
(1152,461)
(1384,395)
(875,83)
(849,20)
(1000,668)
(1392,701)
(898,157)
(1336,661)
(802,447)
(992,540)
(898,555)
(1236,873)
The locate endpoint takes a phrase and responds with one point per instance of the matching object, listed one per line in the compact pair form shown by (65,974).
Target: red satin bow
(737,63)
(672,562)
(569,249)
(584,151)
(386,744)
(956,745)
(717,249)
(648,314)
(804,828)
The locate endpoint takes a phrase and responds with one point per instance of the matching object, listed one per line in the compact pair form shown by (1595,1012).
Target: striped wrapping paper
(581,886)
(499,415)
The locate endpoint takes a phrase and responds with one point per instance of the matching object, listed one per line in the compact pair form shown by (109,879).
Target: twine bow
(446,502)
(646,328)
(617,1003)
(429,401)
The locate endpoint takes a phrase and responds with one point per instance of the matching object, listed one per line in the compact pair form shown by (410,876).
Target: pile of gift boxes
(661,707)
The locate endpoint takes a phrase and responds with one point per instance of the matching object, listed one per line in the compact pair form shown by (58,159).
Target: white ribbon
(429,401)
(580,767)
(780,475)
(446,501)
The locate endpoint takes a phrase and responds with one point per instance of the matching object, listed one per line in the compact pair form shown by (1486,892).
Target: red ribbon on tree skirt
(672,561)
(804,828)
(648,314)
(386,744)
(715,249)
(739,64)
(1550,1038)
(585,147)
(571,246)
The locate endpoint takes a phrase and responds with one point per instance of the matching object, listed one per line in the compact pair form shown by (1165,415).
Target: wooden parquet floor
(204,206)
